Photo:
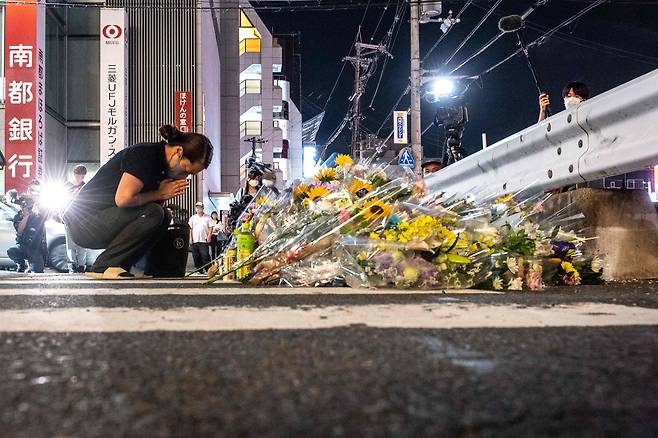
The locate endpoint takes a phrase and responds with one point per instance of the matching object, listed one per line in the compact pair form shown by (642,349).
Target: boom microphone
(510,23)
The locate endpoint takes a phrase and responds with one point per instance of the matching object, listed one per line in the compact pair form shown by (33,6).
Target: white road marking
(428,316)
(134,289)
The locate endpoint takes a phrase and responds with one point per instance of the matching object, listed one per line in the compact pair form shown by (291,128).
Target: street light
(443,87)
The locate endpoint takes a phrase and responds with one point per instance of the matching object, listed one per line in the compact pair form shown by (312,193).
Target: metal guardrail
(610,134)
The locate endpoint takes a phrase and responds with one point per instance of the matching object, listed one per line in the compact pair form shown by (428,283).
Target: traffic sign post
(406,158)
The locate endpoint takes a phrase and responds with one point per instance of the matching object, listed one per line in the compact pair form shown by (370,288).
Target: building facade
(221,59)
(270,123)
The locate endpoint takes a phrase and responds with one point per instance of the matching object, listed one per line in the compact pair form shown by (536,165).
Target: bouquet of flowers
(373,225)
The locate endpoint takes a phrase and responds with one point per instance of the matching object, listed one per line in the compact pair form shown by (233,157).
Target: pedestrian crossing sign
(406,159)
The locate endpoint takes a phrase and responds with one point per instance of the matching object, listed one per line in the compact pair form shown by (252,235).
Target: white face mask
(253,182)
(268,182)
(571,102)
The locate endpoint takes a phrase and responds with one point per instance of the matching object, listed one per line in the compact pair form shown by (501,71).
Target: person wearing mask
(30,233)
(572,94)
(430,166)
(77,254)
(201,226)
(120,208)
(251,187)
(269,184)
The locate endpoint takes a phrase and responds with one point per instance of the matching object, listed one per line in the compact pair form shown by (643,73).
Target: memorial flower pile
(373,225)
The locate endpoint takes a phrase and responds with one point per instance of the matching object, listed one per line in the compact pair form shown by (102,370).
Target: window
(276,68)
(248,35)
(249,86)
(250,45)
(280,111)
(250,128)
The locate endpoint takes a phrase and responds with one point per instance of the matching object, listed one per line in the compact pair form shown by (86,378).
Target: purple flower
(561,249)
(383,261)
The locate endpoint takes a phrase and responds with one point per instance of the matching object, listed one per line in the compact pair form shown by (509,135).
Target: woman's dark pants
(127,234)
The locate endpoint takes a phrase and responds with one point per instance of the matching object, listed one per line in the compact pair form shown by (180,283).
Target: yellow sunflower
(376,209)
(317,193)
(360,188)
(326,175)
(343,160)
(300,192)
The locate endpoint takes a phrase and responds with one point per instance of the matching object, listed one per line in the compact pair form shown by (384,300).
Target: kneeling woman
(120,208)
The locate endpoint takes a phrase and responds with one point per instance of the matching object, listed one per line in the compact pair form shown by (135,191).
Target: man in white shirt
(200,234)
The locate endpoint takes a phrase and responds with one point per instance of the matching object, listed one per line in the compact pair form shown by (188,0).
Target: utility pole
(365,55)
(254,141)
(416,145)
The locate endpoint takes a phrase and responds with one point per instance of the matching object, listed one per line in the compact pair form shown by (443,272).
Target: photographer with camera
(30,234)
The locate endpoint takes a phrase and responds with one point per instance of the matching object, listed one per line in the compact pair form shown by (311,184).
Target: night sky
(610,45)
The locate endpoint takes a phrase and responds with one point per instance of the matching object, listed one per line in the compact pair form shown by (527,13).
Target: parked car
(55,239)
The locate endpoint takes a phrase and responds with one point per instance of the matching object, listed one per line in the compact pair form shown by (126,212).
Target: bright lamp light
(443,87)
(54,197)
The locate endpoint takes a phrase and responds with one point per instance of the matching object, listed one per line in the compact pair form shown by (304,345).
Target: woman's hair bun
(169,132)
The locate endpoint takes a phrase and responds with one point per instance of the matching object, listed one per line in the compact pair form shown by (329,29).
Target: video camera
(453,117)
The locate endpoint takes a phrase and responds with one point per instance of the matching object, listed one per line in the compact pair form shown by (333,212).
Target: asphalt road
(167,358)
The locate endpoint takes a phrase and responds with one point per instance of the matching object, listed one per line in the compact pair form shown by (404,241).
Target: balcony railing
(251,128)
(250,45)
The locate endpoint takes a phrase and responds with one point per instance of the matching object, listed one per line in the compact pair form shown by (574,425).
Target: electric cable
(543,38)
(471,33)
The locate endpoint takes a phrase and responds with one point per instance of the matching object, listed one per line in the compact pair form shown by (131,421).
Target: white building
(266,110)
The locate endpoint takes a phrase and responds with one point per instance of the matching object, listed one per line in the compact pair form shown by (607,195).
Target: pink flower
(534,280)
(343,216)
(569,280)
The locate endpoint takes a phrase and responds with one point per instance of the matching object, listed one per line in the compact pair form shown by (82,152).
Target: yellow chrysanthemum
(374,236)
(318,192)
(300,192)
(360,188)
(376,209)
(262,200)
(343,160)
(326,175)
(504,199)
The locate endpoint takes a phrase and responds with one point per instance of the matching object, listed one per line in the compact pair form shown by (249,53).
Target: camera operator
(30,234)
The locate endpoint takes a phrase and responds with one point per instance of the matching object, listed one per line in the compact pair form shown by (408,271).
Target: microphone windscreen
(510,23)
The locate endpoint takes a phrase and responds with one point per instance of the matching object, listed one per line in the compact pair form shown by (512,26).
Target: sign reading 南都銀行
(25,64)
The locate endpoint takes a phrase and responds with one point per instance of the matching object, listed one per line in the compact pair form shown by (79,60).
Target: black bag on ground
(168,258)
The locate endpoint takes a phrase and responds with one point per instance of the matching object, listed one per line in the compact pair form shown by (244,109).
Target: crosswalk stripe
(426,316)
(233,292)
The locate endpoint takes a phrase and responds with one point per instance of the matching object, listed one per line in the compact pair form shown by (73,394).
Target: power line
(436,44)
(310,5)
(498,36)
(543,38)
(429,52)
(471,33)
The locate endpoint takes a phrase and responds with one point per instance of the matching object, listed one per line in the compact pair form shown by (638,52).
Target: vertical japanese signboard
(25,71)
(183,108)
(113,83)
(400,127)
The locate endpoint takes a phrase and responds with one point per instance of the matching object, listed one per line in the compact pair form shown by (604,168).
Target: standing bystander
(200,234)
(77,254)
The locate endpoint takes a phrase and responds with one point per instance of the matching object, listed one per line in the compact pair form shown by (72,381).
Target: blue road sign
(406,159)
